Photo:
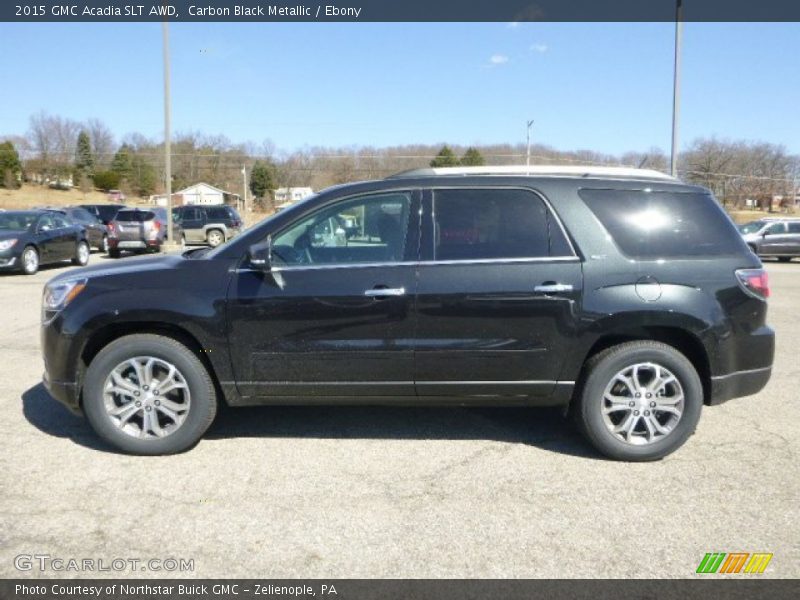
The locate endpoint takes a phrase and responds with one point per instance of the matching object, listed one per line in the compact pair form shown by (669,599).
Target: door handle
(382,292)
(553,288)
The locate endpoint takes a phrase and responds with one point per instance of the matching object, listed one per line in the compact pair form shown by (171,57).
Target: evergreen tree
(84,160)
(445,158)
(121,163)
(472,158)
(262,178)
(10,165)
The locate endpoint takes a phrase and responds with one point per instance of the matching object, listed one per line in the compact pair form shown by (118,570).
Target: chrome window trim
(541,196)
(421,263)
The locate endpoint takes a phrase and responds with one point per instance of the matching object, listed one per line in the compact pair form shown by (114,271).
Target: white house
(292,194)
(199,193)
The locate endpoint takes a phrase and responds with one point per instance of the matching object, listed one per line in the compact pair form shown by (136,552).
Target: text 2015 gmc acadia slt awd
(623,295)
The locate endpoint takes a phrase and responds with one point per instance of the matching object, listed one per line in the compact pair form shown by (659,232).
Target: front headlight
(58,295)
(6,244)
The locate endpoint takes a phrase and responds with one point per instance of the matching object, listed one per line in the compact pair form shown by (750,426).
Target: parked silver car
(777,237)
(139,230)
(211,225)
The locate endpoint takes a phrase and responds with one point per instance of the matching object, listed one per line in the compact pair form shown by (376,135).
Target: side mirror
(261,256)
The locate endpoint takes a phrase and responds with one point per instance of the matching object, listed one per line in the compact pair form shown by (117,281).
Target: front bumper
(65,392)
(8,262)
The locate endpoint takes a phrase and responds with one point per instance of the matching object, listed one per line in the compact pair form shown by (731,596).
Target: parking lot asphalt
(396,492)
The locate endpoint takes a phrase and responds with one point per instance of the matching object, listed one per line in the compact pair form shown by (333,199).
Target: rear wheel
(104,244)
(114,253)
(784,258)
(149,394)
(30,260)
(640,401)
(215,237)
(82,253)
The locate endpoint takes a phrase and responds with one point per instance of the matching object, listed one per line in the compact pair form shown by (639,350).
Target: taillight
(754,281)
(111,229)
(154,231)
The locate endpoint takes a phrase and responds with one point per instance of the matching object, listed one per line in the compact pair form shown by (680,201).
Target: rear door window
(487,224)
(652,225)
(794,227)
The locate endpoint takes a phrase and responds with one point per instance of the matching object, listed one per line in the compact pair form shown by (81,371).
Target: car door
(773,238)
(792,246)
(331,320)
(46,237)
(497,296)
(192,223)
(65,237)
(94,228)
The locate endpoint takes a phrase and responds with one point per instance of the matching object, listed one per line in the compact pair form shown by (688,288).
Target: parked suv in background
(210,225)
(622,295)
(139,230)
(773,237)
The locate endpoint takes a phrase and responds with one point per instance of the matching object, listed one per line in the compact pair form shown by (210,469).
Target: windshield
(16,221)
(752,226)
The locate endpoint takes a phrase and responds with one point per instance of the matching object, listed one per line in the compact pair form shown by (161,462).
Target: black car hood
(122,266)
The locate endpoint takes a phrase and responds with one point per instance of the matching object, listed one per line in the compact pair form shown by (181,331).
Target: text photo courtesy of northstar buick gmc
(623,296)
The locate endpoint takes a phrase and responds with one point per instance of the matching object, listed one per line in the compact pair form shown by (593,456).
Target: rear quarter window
(652,225)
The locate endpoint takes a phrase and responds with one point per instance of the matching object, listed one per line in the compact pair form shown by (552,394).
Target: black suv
(624,296)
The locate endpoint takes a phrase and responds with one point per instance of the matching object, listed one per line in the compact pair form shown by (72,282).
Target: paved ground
(332,492)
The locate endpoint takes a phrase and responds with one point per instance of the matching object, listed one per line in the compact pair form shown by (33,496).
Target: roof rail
(538,170)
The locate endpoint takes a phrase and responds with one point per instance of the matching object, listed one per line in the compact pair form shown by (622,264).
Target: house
(292,194)
(199,193)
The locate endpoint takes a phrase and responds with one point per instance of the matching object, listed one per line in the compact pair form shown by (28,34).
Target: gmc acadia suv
(622,295)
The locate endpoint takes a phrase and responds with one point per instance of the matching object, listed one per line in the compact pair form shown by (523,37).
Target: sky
(596,86)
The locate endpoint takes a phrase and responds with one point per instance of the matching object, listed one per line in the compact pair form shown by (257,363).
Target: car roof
(571,171)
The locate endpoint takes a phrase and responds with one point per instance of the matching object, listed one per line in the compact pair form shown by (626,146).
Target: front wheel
(149,394)
(639,401)
(30,260)
(82,253)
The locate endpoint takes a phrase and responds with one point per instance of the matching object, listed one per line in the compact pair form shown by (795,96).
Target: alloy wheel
(146,397)
(30,260)
(643,403)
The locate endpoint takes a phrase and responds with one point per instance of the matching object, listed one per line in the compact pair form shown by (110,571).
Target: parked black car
(96,230)
(623,296)
(29,238)
(104,212)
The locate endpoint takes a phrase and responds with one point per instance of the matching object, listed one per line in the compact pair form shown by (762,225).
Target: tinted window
(654,225)
(751,227)
(217,213)
(61,221)
(491,224)
(107,212)
(134,216)
(367,229)
(776,228)
(794,227)
(82,215)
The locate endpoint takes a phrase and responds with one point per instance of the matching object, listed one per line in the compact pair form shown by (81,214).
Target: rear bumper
(737,384)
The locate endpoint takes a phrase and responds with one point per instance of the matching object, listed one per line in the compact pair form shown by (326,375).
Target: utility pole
(167,135)
(244,182)
(528,159)
(676,88)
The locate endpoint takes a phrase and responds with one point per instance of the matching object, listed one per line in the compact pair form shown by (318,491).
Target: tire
(82,253)
(643,441)
(784,258)
(103,247)
(214,237)
(29,260)
(113,253)
(201,401)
